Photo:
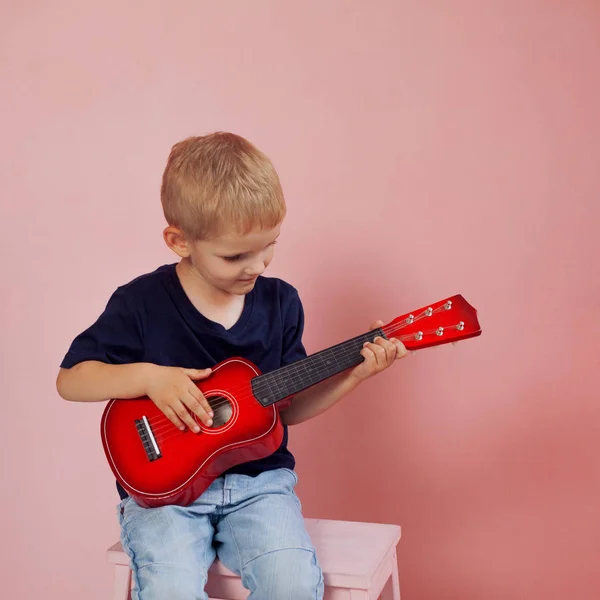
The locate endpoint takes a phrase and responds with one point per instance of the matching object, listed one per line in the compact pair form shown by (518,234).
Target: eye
(233,258)
(237,257)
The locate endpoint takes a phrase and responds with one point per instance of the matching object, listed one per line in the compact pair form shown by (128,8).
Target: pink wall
(426,149)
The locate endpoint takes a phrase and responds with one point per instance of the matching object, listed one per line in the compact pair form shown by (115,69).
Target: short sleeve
(293,328)
(115,338)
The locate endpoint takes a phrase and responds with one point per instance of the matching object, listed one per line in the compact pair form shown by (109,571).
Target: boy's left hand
(378,355)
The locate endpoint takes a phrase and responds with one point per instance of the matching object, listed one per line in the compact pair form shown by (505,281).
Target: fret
(292,379)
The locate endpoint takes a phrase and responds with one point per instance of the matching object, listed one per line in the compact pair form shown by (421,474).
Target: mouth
(252,279)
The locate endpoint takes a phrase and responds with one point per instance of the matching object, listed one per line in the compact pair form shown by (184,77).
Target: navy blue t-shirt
(151,319)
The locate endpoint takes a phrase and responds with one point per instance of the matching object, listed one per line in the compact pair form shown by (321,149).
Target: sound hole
(222,409)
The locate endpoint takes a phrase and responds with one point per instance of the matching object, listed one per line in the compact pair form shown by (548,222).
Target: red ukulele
(158,464)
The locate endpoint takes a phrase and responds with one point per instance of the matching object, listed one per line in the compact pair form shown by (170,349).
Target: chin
(245,285)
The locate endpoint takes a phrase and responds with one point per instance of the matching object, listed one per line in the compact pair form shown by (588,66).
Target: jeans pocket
(121,509)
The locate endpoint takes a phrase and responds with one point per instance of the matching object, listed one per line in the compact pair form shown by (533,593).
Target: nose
(256,268)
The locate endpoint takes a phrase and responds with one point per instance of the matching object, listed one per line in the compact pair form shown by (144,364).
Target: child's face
(232,262)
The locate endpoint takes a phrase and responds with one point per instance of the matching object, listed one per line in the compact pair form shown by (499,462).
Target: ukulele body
(157,464)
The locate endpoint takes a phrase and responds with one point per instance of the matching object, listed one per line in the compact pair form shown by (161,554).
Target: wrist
(145,376)
(352,381)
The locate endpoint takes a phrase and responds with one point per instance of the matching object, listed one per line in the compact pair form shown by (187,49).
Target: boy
(224,206)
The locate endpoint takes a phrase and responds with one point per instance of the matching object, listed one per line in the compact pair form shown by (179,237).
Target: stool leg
(395,581)
(122,587)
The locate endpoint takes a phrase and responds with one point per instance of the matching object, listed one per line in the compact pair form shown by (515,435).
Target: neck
(196,286)
(292,379)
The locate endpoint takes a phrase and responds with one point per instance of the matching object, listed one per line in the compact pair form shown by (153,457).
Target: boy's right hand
(173,390)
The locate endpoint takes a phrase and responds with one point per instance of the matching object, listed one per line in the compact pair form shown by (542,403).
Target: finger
(380,355)
(375,325)
(378,352)
(182,412)
(388,347)
(199,409)
(401,350)
(170,414)
(369,356)
(201,398)
(197,373)
(390,350)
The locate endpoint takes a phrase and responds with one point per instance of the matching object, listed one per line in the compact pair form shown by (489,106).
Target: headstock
(449,320)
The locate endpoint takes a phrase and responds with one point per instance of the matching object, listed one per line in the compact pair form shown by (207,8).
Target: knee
(158,582)
(287,574)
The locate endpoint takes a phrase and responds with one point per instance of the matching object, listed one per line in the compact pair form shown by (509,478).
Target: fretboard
(291,379)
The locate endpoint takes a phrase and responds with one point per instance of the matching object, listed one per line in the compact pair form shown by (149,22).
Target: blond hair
(219,183)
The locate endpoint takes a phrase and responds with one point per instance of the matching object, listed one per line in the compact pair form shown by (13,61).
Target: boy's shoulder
(149,281)
(275,289)
(278,284)
(147,289)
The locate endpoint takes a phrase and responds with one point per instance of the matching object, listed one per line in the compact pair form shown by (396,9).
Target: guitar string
(296,376)
(161,422)
(387,329)
(166,430)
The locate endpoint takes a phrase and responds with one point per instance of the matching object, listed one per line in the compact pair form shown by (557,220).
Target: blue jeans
(253,524)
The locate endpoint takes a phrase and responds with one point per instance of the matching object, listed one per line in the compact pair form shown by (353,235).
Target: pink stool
(358,561)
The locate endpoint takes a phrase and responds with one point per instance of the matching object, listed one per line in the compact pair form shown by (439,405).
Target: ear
(176,241)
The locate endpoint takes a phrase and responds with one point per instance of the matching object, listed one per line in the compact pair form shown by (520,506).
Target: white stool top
(349,552)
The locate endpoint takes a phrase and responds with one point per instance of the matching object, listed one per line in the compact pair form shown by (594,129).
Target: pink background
(426,149)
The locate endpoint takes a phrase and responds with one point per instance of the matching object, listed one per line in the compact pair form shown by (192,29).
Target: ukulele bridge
(148,440)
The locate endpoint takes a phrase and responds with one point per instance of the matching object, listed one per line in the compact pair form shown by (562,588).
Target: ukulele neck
(292,379)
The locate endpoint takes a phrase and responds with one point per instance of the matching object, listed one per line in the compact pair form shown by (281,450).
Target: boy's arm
(172,389)
(318,398)
(95,381)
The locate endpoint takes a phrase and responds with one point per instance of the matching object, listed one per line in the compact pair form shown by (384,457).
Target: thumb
(376,324)
(197,373)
